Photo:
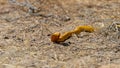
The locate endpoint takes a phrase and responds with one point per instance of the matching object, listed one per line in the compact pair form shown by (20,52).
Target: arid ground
(25,35)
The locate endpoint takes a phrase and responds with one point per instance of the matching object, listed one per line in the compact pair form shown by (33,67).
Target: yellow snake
(57,37)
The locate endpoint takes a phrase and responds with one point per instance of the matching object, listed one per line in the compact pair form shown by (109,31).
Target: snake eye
(55,37)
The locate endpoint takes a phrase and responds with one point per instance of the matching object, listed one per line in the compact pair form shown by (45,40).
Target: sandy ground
(25,39)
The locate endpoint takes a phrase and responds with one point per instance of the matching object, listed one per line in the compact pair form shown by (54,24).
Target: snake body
(57,37)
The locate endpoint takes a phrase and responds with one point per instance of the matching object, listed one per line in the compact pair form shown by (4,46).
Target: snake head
(55,36)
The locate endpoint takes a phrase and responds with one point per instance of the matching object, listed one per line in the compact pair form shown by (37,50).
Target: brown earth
(25,39)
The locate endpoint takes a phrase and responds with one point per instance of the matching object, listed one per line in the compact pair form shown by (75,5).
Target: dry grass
(25,38)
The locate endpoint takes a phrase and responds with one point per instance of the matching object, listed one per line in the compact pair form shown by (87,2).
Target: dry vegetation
(25,34)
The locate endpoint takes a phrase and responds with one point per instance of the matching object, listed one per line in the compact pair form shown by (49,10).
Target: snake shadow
(64,43)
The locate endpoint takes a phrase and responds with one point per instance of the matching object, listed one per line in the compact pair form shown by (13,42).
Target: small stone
(48,34)
(6,37)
